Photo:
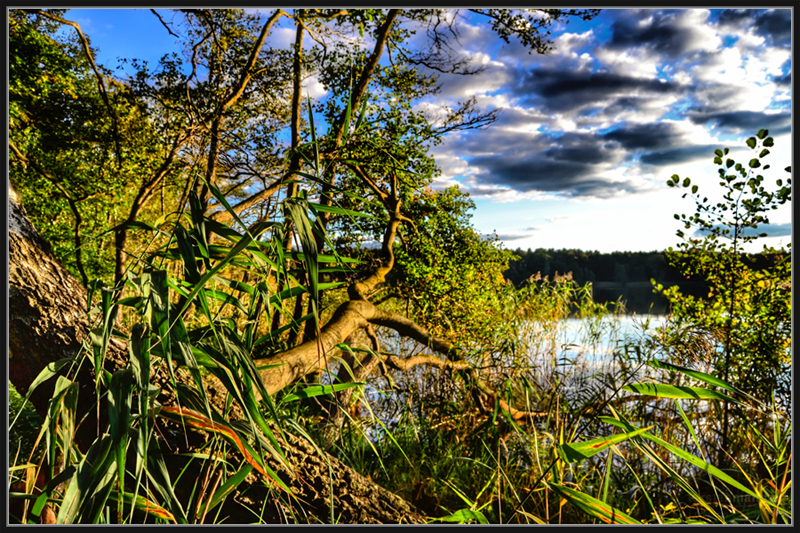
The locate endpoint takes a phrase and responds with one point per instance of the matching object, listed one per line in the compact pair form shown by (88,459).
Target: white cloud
(312,87)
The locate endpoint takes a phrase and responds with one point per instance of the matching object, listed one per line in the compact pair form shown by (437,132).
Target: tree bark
(48,322)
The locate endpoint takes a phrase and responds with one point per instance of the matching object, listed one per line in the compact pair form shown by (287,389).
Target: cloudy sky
(588,134)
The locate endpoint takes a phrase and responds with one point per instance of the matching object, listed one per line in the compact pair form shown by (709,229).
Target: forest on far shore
(617,276)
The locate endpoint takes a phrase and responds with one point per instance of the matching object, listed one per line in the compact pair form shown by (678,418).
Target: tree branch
(101,86)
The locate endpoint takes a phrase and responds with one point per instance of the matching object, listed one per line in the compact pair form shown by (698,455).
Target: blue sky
(588,134)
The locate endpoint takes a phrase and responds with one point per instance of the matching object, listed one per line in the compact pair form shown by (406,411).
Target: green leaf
(463,516)
(755,163)
(660,463)
(592,506)
(51,370)
(362,112)
(763,153)
(687,182)
(140,503)
(349,110)
(318,390)
(672,391)
(718,152)
(696,374)
(230,484)
(159,479)
(338,210)
(90,485)
(313,134)
(762,133)
(197,420)
(694,460)
(751,142)
(236,250)
(187,254)
(583,450)
(298,213)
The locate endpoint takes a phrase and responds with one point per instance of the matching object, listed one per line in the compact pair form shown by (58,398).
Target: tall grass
(623,438)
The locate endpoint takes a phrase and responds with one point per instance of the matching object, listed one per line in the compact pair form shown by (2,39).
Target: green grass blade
(464,516)
(673,391)
(313,134)
(703,465)
(347,112)
(187,254)
(236,250)
(299,216)
(318,390)
(338,210)
(142,504)
(592,506)
(48,372)
(230,485)
(701,376)
(362,112)
(158,476)
(579,451)
(120,399)
(93,471)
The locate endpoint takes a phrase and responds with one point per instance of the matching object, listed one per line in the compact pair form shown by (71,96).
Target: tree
(745,320)
(48,321)
(211,305)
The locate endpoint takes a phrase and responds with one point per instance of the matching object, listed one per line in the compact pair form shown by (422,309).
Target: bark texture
(48,322)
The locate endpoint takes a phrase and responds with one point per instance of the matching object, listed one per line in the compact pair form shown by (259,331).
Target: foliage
(510,422)
(450,272)
(122,475)
(746,316)
(78,153)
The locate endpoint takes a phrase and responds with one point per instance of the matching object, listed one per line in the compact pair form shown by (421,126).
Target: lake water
(596,338)
(572,349)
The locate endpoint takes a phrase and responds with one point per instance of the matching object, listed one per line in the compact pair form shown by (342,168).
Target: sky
(588,134)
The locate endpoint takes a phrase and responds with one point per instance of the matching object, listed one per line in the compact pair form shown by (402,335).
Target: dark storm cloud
(745,121)
(585,153)
(784,81)
(572,164)
(775,25)
(659,34)
(616,118)
(679,155)
(735,18)
(538,173)
(516,117)
(567,165)
(653,136)
(561,90)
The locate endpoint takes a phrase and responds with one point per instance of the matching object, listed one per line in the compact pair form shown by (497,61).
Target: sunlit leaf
(592,506)
(318,390)
(463,516)
(578,451)
(672,391)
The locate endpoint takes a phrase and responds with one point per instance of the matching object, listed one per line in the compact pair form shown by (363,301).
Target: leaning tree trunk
(48,322)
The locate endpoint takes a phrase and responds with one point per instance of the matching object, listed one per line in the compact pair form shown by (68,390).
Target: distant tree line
(592,266)
(617,275)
